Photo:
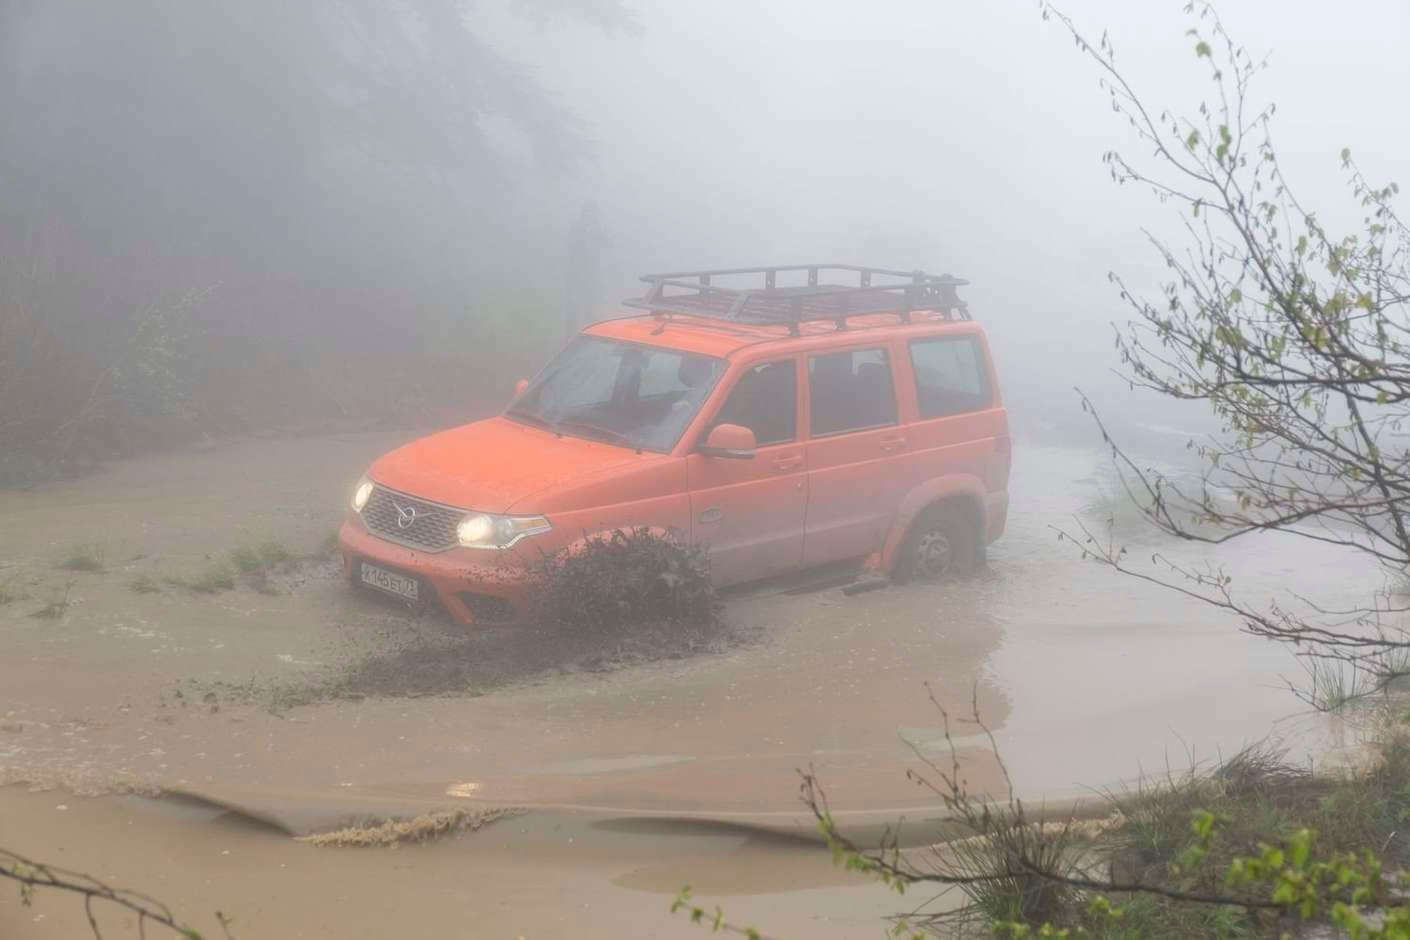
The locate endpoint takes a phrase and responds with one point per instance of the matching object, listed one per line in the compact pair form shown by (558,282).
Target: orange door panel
(852,494)
(749,512)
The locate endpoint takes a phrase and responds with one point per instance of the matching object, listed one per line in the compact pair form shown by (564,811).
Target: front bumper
(471,590)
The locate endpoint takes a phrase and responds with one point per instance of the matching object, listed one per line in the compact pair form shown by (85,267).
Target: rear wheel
(943,543)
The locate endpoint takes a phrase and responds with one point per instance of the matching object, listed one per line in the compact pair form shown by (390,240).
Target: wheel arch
(965,493)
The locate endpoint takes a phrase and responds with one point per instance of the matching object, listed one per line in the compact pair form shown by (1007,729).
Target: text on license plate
(390,581)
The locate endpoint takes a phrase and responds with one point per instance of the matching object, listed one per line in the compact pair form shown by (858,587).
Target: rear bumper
(472,591)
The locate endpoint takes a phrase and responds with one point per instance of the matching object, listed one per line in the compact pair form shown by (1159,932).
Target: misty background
(259,216)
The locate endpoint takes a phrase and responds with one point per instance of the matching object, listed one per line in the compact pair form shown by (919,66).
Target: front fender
(579,545)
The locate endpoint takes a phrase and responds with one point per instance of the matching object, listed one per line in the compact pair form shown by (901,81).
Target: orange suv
(780,426)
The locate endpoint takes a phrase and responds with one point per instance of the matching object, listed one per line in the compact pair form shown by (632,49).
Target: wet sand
(1087,679)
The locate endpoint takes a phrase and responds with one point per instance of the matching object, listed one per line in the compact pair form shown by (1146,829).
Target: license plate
(391,582)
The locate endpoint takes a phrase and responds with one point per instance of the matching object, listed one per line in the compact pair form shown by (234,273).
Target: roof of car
(712,336)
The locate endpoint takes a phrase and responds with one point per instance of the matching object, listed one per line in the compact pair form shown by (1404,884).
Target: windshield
(621,393)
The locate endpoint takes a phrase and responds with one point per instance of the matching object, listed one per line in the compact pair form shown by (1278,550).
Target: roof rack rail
(878,290)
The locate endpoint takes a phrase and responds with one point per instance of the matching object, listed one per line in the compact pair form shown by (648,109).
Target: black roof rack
(877,290)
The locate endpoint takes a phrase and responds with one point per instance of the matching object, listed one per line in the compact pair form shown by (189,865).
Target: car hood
(489,465)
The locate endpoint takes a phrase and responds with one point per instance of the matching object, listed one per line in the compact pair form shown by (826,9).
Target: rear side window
(851,391)
(765,400)
(950,376)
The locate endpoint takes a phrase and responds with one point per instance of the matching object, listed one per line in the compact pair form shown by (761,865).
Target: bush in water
(628,577)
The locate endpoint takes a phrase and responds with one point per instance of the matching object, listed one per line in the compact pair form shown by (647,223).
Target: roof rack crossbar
(876,290)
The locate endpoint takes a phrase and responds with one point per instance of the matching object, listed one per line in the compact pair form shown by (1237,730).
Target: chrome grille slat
(433,529)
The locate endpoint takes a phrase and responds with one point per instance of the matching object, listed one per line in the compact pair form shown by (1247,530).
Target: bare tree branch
(30,875)
(1297,339)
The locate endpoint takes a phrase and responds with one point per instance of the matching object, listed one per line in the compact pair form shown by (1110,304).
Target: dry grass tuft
(423,828)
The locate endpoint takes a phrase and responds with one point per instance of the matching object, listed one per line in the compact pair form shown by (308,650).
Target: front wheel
(943,543)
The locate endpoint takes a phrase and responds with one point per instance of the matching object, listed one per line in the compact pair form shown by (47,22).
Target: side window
(765,400)
(851,391)
(950,376)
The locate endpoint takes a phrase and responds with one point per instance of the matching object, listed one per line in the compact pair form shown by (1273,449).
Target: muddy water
(541,875)
(1085,678)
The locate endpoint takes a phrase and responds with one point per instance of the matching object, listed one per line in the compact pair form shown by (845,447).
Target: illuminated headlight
(362,494)
(483,530)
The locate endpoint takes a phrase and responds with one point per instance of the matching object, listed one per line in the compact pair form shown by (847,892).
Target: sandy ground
(313,704)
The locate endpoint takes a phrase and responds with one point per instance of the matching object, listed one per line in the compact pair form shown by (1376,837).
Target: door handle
(787,463)
(892,443)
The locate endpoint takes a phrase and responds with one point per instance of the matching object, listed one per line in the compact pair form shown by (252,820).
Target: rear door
(749,513)
(960,427)
(854,444)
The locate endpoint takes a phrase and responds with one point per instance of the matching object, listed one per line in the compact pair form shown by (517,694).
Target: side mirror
(729,440)
(520,387)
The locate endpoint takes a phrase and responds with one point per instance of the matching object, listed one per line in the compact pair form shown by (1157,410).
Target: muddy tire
(943,544)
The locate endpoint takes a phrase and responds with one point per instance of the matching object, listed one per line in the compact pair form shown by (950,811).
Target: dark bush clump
(629,578)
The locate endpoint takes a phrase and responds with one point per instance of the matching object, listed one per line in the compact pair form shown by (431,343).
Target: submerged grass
(252,565)
(261,558)
(87,557)
(214,578)
(10,590)
(257,562)
(56,607)
(246,560)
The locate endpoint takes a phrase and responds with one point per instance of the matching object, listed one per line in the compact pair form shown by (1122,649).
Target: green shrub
(628,578)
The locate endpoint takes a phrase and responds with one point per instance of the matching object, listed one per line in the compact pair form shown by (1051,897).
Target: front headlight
(482,530)
(362,494)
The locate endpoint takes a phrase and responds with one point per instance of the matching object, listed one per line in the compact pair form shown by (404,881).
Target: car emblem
(406,515)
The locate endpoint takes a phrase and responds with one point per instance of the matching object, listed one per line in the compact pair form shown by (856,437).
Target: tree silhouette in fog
(320,172)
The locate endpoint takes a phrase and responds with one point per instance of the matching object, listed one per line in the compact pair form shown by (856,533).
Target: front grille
(431,528)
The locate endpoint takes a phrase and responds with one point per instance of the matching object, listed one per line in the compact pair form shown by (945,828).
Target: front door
(749,513)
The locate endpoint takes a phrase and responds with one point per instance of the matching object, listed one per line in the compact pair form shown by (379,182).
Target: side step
(868,581)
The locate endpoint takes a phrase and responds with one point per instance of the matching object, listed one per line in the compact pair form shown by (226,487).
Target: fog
(308,184)
(264,572)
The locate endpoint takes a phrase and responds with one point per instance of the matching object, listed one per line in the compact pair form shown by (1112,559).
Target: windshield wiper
(607,433)
(534,419)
